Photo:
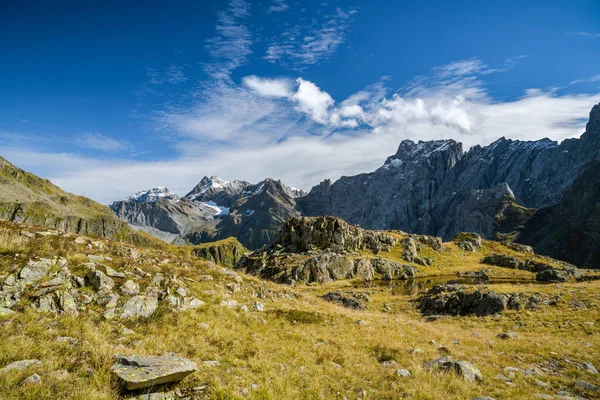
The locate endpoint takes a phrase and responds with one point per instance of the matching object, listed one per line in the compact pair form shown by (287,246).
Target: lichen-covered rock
(130,288)
(468,241)
(351,300)
(20,365)
(464,369)
(436,243)
(140,307)
(458,300)
(391,270)
(98,280)
(501,260)
(225,252)
(135,372)
(35,271)
(559,275)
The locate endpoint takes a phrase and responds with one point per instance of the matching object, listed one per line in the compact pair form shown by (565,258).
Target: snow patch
(219,210)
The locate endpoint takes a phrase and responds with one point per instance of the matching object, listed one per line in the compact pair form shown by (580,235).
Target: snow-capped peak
(209,186)
(148,196)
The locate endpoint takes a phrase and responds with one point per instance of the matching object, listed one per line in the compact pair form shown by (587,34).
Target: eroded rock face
(331,233)
(135,372)
(325,249)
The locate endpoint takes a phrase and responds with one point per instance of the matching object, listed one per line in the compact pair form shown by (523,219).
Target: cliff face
(570,230)
(435,188)
(26,198)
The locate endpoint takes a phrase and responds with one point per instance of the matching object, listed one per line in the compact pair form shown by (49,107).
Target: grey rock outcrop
(331,233)
(325,249)
(457,300)
(135,372)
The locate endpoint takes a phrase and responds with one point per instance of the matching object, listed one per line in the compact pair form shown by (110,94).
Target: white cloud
(312,101)
(268,87)
(278,6)
(595,78)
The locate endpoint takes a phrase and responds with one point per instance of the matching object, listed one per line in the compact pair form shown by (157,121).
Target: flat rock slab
(135,372)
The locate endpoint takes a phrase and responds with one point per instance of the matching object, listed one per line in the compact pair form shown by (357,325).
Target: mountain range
(540,193)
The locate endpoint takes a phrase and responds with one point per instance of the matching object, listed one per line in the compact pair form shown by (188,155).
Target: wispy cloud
(278,6)
(97,141)
(231,46)
(595,78)
(309,44)
(586,34)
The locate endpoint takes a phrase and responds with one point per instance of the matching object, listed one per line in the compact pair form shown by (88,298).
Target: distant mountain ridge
(432,188)
(213,210)
(436,188)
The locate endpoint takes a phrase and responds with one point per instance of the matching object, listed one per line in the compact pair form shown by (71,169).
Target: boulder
(354,301)
(20,365)
(114,274)
(436,243)
(140,307)
(501,260)
(34,271)
(468,241)
(558,275)
(458,300)
(135,372)
(410,249)
(98,280)
(363,268)
(390,270)
(464,369)
(130,288)
(5,312)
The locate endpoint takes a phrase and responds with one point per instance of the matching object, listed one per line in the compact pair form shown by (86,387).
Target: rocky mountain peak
(151,195)
(442,154)
(211,186)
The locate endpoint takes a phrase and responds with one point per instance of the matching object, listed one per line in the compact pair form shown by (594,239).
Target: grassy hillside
(29,199)
(298,346)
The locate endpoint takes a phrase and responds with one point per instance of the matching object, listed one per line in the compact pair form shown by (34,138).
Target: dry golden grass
(301,347)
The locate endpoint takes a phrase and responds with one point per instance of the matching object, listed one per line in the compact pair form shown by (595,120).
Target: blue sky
(106,99)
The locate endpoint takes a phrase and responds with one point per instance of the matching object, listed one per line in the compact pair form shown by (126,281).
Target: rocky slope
(570,230)
(436,188)
(29,199)
(165,324)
